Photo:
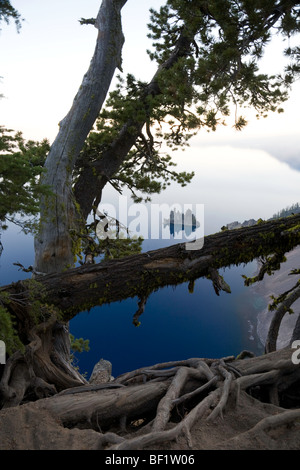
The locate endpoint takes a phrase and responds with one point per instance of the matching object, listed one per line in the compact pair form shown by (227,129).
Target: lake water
(231,184)
(175,325)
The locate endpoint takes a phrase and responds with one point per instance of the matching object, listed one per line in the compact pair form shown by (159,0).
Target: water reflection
(181,224)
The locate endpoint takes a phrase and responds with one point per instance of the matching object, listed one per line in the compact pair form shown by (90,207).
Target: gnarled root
(155,406)
(222,378)
(42,370)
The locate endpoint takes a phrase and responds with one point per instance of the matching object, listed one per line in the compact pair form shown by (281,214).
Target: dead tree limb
(281,311)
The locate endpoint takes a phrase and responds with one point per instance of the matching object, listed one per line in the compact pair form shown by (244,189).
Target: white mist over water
(232,184)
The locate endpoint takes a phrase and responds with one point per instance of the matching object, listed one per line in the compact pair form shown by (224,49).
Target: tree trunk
(59,213)
(93,178)
(139,275)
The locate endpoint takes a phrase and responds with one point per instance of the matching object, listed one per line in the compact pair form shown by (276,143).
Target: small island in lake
(180,221)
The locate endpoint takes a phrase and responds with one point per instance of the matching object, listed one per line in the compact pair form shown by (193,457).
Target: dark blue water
(175,324)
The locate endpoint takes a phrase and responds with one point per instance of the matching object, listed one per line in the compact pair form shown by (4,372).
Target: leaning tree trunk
(47,352)
(284,307)
(93,178)
(59,214)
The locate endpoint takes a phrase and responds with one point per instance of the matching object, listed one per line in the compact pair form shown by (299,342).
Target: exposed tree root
(225,383)
(269,425)
(45,362)
(157,405)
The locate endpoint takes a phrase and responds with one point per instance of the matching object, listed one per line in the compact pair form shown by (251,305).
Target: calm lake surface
(231,184)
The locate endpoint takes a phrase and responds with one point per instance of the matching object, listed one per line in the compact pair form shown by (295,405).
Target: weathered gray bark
(139,275)
(53,245)
(93,178)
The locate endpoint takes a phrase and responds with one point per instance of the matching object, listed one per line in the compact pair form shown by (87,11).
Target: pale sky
(42,68)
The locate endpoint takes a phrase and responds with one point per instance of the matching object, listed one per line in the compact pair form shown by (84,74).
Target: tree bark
(94,177)
(53,244)
(86,408)
(139,275)
(277,319)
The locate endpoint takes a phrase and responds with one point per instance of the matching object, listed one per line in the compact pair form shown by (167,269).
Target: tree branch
(93,178)
(278,316)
